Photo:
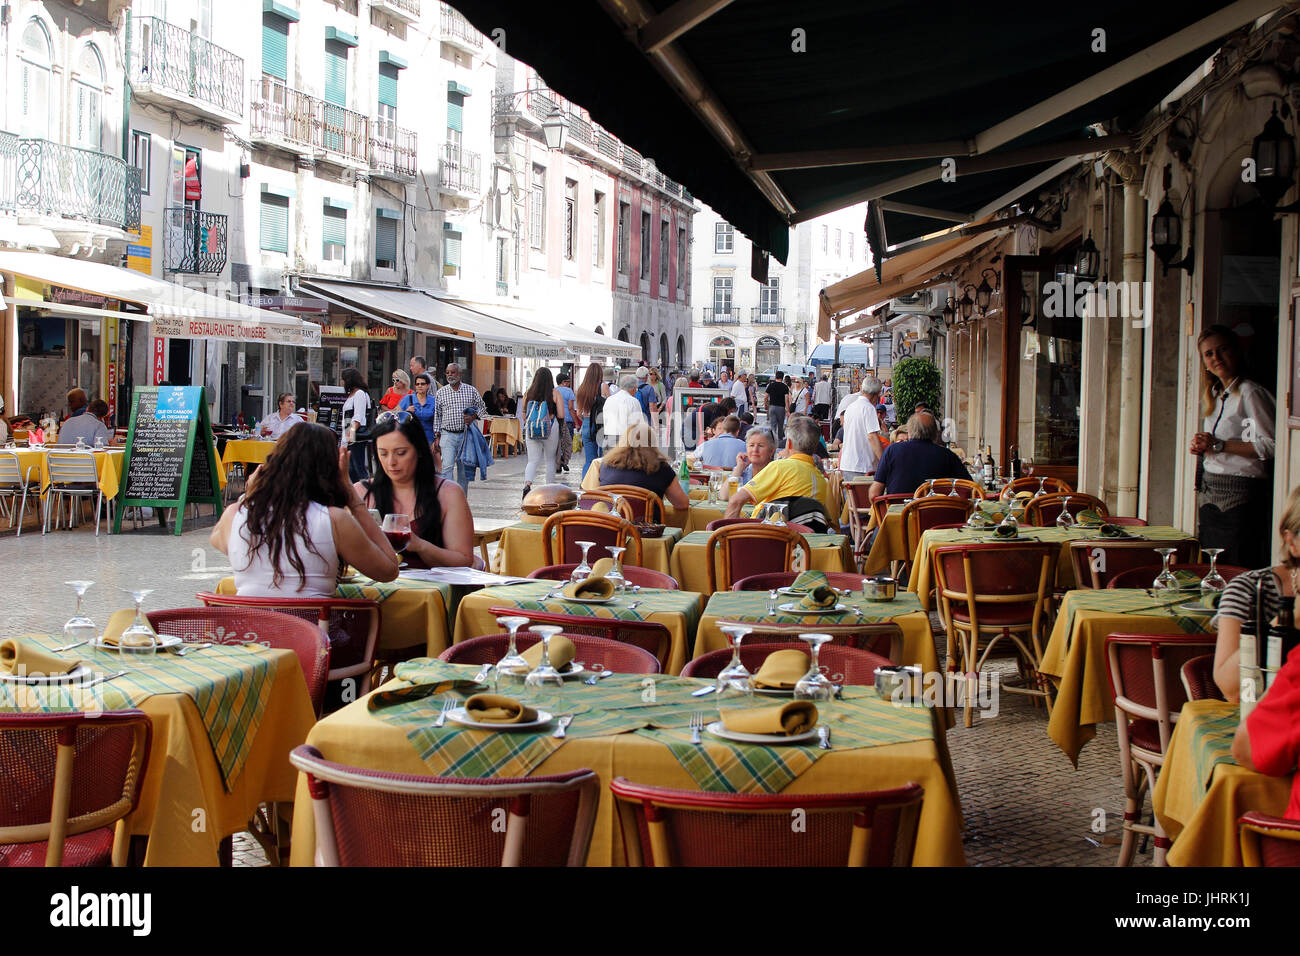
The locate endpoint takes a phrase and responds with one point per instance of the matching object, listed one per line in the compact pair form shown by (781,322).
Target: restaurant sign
(355,330)
(180,327)
(502,348)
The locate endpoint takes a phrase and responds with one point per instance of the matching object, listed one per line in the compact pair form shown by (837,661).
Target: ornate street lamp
(1274,156)
(1167,237)
(1087,261)
(966,304)
(949,313)
(555,128)
(984,294)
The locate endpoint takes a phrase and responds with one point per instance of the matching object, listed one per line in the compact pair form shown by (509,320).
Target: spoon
(600,675)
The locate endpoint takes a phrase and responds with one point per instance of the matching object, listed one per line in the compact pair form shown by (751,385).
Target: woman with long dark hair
(408,483)
(541,411)
(591,406)
(356,416)
(1234,453)
(300,520)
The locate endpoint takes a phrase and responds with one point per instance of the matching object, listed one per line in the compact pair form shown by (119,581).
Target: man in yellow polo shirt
(795,475)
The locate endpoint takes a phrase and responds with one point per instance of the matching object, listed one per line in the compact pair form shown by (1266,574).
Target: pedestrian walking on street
(591,406)
(456,407)
(564,443)
(541,417)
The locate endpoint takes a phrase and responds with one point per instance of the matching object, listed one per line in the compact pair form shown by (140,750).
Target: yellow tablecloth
(688,560)
(521,552)
(1082,674)
(474,618)
(250,451)
(353,736)
(888,546)
(508,426)
(412,612)
(108,466)
(1203,823)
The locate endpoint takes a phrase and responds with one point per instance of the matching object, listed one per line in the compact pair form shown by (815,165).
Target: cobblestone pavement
(1023,803)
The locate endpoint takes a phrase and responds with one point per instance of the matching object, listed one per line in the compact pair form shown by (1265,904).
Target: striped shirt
(1238,600)
(451,404)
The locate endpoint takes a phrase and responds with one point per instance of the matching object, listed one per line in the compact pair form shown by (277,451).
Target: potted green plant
(916,382)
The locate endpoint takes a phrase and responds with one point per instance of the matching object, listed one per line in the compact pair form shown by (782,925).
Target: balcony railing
(40,178)
(292,117)
(406,9)
(460,170)
(392,151)
(456,27)
(168,59)
(767,316)
(729,316)
(194,241)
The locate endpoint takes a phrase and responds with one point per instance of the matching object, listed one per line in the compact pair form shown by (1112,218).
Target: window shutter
(274,231)
(455,112)
(450,247)
(388,85)
(275,46)
(334,227)
(385,240)
(336,73)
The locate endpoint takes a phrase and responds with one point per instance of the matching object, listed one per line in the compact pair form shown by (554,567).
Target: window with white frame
(724,237)
(837,242)
(387,227)
(624,237)
(681,257)
(141,148)
(334,234)
(826,242)
(537,209)
(39,106)
(598,231)
(663,252)
(570,219)
(769,296)
(722,297)
(89,91)
(850,245)
(645,244)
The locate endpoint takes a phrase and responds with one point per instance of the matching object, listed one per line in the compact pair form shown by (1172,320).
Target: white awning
(174,311)
(578,339)
(381,305)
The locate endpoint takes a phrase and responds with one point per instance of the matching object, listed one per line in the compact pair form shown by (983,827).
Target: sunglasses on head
(398,416)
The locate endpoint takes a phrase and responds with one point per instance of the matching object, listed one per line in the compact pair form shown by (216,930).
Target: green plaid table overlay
(1135,601)
(1212,742)
(751,606)
(532,597)
(815,541)
(1029,532)
(365,588)
(230,686)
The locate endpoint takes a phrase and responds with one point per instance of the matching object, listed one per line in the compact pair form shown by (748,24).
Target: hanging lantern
(1167,237)
(966,304)
(1274,156)
(1087,261)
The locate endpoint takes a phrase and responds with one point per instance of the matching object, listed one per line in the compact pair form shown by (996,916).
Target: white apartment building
(742,323)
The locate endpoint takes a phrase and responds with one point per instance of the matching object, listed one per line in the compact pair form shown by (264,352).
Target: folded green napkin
(1005,531)
(809,581)
(818,598)
(1089,517)
(1108,530)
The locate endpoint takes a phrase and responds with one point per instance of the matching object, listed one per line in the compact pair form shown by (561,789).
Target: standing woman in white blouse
(1235,452)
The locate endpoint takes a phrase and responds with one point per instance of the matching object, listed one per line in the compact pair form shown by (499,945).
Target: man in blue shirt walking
(564,449)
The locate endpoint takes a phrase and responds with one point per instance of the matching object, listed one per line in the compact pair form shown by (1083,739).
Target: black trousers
(1243,532)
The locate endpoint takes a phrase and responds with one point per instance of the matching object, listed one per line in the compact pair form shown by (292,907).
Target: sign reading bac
(170,458)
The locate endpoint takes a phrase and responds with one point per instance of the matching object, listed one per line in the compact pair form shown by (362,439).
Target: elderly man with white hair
(622,411)
(740,392)
(862,447)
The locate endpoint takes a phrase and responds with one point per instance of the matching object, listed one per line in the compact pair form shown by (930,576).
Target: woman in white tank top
(300,521)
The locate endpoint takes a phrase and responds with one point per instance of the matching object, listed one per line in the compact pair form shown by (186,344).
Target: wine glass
(1065,519)
(953,492)
(513,663)
(735,676)
(975,519)
(1165,580)
(616,506)
(583,570)
(1213,582)
(1027,466)
(713,488)
(139,640)
(545,676)
(615,573)
(397,529)
(814,685)
(1042,489)
(80,629)
(1009,521)
(778,513)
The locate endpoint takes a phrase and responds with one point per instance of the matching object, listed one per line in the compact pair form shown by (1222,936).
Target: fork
(182,649)
(68,647)
(634,605)
(447,704)
(562,726)
(697,724)
(824,737)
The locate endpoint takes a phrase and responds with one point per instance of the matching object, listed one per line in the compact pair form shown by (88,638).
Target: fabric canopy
(748,103)
(579,340)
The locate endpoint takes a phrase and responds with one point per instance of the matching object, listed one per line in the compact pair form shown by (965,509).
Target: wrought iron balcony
(408,10)
(392,151)
(767,316)
(172,66)
(457,31)
(194,241)
(729,316)
(459,172)
(285,117)
(40,178)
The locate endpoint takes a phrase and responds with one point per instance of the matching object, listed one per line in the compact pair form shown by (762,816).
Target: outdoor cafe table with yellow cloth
(688,562)
(888,545)
(250,451)
(923,575)
(521,550)
(1202,791)
(679,611)
(410,611)
(620,731)
(506,425)
(108,467)
(1075,656)
(224,721)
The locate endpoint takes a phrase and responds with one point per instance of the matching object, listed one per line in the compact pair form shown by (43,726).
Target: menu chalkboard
(170,460)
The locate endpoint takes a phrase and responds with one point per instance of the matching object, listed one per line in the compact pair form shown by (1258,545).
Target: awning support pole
(1130,399)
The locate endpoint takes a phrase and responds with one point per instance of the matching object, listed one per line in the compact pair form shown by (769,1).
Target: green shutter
(336,73)
(450,247)
(275,46)
(274,231)
(334,227)
(388,85)
(385,240)
(455,111)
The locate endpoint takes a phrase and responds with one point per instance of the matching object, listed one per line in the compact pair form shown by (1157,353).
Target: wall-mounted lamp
(1167,238)
(966,305)
(1087,261)
(984,294)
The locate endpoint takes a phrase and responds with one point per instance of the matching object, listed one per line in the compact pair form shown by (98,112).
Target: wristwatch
(1217,445)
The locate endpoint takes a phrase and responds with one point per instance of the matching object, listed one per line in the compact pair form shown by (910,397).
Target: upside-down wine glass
(1165,580)
(1042,489)
(953,492)
(139,640)
(735,676)
(583,570)
(544,676)
(1065,519)
(79,628)
(814,685)
(615,573)
(513,662)
(1213,582)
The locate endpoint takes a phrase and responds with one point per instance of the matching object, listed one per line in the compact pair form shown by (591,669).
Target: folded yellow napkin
(24,659)
(994,516)
(562,652)
(1024,495)
(602,567)
(592,587)
(781,670)
(821,597)
(498,709)
(601,506)
(809,581)
(792,718)
(118,623)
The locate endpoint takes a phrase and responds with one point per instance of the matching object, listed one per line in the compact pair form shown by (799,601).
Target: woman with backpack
(541,406)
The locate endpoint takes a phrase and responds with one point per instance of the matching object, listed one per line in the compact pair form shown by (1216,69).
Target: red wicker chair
(884,639)
(642,577)
(1141,577)
(880,507)
(1051,486)
(783,579)
(857,666)
(1098,560)
(373,818)
(65,781)
(964,486)
(588,500)
(351,625)
(645,504)
(1045,509)
(596,652)
(647,635)
(237,625)
(857,501)
(663,827)
(739,550)
(1198,679)
(717,523)
(1122,522)
(923,514)
(1269,841)
(563,530)
(1147,702)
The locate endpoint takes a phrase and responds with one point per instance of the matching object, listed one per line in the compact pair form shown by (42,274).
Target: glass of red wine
(397,529)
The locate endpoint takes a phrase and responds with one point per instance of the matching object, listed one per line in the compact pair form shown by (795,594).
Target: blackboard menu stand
(170,458)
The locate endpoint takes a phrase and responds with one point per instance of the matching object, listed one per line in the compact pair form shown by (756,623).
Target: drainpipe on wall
(1130,419)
